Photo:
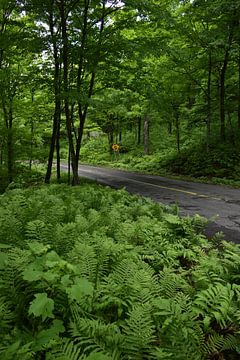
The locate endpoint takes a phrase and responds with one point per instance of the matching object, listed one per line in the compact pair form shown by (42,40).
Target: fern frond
(67,351)
(95,336)
(139,332)
(216,302)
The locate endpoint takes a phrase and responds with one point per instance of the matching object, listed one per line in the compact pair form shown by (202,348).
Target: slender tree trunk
(170,127)
(222,89)
(177,129)
(231,127)
(69,166)
(57,110)
(110,137)
(1,156)
(146,135)
(10,143)
(74,163)
(58,151)
(209,105)
(31,146)
(82,113)
(239,86)
(222,105)
(32,134)
(139,130)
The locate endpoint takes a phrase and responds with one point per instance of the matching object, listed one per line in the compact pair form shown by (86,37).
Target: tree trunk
(209,105)
(31,146)
(239,86)
(1,156)
(74,163)
(146,135)
(222,105)
(222,90)
(170,127)
(58,151)
(69,166)
(82,113)
(139,130)
(57,110)
(32,134)
(231,127)
(110,137)
(177,129)
(10,144)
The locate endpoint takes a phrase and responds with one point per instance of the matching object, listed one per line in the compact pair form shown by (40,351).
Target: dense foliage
(219,166)
(154,70)
(92,273)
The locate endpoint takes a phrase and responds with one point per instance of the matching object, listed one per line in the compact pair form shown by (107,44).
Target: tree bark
(10,143)
(32,134)
(209,105)
(222,89)
(110,136)
(177,129)
(82,111)
(57,110)
(58,150)
(74,162)
(146,135)
(139,130)
(239,86)
(31,146)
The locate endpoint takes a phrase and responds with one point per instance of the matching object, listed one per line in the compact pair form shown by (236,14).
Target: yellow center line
(176,189)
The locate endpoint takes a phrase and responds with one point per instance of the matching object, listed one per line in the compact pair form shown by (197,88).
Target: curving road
(219,203)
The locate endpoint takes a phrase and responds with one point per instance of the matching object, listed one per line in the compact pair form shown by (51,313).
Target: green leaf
(45,336)
(52,259)
(50,276)
(65,280)
(38,248)
(82,288)
(42,306)
(33,272)
(5,246)
(172,219)
(3,260)
(32,275)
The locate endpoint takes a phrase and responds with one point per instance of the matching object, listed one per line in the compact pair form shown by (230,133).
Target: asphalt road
(218,203)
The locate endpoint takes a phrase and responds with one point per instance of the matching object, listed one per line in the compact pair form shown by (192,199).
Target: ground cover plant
(218,166)
(92,273)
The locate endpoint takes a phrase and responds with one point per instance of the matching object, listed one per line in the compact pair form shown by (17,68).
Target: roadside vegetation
(92,273)
(218,166)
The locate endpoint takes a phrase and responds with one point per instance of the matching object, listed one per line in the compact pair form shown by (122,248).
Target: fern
(216,303)
(67,351)
(120,277)
(139,333)
(95,336)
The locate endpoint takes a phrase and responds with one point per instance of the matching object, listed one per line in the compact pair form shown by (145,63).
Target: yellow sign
(115,147)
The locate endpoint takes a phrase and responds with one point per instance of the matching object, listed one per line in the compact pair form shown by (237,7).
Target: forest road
(218,203)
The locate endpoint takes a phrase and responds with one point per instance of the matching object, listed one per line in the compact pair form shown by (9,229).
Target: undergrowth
(220,165)
(97,274)
(23,176)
